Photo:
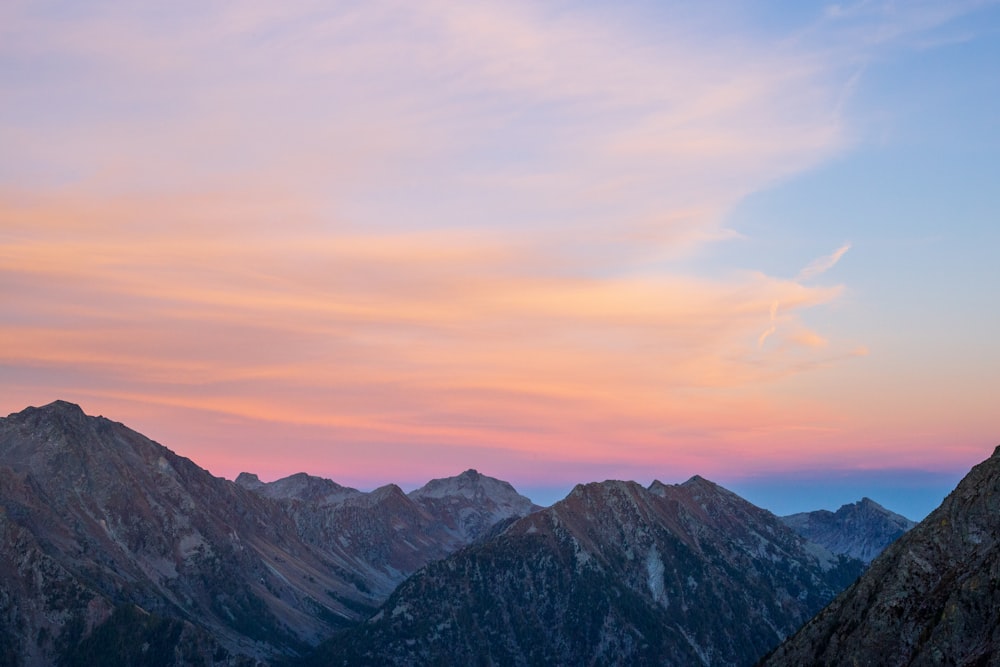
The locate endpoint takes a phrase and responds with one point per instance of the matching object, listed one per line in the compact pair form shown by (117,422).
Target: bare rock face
(614,574)
(860,530)
(931,598)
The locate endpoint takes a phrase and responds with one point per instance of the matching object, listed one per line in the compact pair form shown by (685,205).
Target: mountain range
(99,525)
(686,574)
(115,549)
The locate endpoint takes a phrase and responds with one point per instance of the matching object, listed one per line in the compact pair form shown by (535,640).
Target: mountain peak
(862,529)
(299,486)
(469,484)
(58,409)
(249,480)
(698,481)
(471,502)
(63,406)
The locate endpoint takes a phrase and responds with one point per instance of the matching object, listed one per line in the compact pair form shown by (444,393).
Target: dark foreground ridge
(933,596)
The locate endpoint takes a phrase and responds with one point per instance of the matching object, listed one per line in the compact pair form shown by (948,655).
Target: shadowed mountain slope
(932,597)
(613,574)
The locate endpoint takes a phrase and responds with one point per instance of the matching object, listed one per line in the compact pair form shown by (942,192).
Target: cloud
(448,226)
(823,264)
(771,328)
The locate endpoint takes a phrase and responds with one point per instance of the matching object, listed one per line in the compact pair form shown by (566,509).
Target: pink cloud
(455,230)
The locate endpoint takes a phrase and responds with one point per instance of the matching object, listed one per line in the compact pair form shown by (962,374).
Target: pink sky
(382,243)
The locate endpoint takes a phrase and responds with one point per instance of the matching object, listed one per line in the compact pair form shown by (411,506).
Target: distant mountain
(299,486)
(615,573)
(930,598)
(860,530)
(380,538)
(470,504)
(114,550)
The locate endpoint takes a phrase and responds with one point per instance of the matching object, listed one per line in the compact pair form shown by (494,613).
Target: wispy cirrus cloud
(821,265)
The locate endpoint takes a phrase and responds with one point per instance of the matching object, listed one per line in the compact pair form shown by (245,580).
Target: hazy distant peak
(387,490)
(300,486)
(470,504)
(861,529)
(470,484)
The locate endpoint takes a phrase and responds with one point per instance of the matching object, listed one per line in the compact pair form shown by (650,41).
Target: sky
(554,241)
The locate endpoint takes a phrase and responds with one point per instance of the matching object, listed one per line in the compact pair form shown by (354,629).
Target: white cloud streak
(821,265)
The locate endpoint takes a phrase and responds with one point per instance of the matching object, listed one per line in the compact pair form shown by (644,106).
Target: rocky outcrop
(860,530)
(930,598)
(614,574)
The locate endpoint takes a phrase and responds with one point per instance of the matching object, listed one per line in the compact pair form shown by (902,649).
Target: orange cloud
(471,229)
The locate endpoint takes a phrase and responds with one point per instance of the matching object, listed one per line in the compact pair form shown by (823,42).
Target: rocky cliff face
(614,574)
(860,530)
(932,597)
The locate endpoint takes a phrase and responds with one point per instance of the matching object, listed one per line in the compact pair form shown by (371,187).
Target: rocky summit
(616,573)
(470,504)
(931,598)
(860,530)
